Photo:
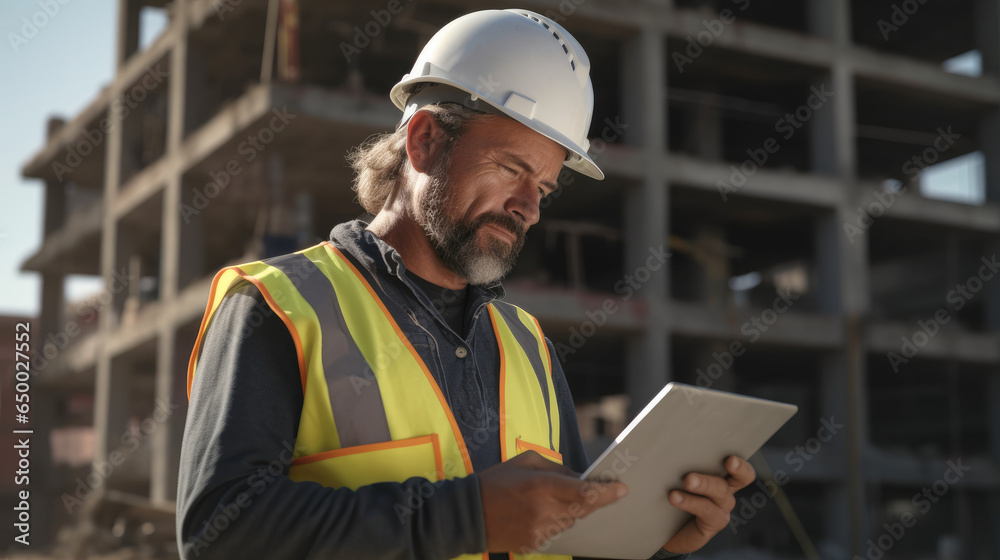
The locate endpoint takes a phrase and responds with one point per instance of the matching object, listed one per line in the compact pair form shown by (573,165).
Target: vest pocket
(390,461)
(523,446)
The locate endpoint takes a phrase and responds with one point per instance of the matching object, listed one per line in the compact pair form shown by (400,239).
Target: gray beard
(457,244)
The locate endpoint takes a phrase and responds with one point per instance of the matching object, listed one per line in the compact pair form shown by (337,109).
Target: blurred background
(824,174)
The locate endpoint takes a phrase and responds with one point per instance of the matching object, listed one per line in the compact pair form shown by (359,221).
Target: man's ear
(424,141)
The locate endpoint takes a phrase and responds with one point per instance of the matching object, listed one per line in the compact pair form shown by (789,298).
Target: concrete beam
(775,184)
(882,467)
(39,166)
(791,329)
(560,308)
(964,346)
(823,467)
(906,72)
(754,38)
(792,186)
(69,369)
(73,239)
(74,367)
(231,122)
(912,206)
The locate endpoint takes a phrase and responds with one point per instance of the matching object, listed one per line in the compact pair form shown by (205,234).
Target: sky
(58,70)
(69,57)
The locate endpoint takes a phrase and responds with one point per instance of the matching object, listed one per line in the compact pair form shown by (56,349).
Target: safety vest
(372,411)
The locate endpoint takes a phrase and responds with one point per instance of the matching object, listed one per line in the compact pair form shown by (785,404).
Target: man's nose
(523,203)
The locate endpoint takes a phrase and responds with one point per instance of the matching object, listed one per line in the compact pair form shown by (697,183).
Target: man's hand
(710,499)
(528,499)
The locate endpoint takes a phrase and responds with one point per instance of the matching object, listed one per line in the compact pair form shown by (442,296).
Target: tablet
(684,429)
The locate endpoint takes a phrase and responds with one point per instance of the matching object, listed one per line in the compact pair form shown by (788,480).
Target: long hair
(379,162)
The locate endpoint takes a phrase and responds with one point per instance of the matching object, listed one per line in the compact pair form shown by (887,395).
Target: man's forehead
(516,141)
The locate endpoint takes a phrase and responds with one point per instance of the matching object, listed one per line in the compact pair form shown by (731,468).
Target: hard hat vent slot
(572,63)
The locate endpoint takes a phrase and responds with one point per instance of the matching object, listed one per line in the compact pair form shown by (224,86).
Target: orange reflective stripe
(193,360)
(438,460)
(284,318)
(523,445)
(432,439)
(210,310)
(466,459)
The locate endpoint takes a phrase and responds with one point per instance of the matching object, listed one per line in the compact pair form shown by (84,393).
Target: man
(374,397)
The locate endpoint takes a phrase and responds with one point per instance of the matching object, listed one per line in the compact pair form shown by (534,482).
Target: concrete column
(708,137)
(987,22)
(166,441)
(834,403)
(111,408)
(988,40)
(52,308)
(128,30)
(842,267)
(171,407)
(44,411)
(647,214)
(111,405)
(993,396)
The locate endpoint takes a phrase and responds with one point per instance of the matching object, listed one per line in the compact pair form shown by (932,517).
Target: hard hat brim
(446,91)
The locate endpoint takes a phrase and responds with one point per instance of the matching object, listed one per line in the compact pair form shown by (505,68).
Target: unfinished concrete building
(773,148)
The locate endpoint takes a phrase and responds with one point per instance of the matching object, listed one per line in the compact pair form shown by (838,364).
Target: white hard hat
(522,64)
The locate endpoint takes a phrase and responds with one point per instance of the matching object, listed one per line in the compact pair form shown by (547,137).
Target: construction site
(766,227)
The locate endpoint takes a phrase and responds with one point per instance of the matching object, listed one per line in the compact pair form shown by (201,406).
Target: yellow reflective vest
(372,411)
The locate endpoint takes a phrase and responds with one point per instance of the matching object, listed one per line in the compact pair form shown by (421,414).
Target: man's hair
(378,163)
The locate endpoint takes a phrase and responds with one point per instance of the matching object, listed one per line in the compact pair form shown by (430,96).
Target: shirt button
(461,352)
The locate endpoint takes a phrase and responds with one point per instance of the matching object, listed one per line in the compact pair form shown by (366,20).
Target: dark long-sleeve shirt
(234,495)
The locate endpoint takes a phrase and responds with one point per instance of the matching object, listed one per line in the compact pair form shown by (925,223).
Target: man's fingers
(713,487)
(741,473)
(710,516)
(534,460)
(584,497)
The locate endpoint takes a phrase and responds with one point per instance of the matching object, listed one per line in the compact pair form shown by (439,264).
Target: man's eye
(509,170)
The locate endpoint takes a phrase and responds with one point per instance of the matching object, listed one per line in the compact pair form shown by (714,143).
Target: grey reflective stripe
(358,411)
(529,345)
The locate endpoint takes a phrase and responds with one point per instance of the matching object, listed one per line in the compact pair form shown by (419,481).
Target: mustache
(504,221)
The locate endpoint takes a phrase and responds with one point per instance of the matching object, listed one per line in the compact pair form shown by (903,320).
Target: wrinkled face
(478,205)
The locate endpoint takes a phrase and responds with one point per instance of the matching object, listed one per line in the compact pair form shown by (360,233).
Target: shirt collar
(381,258)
